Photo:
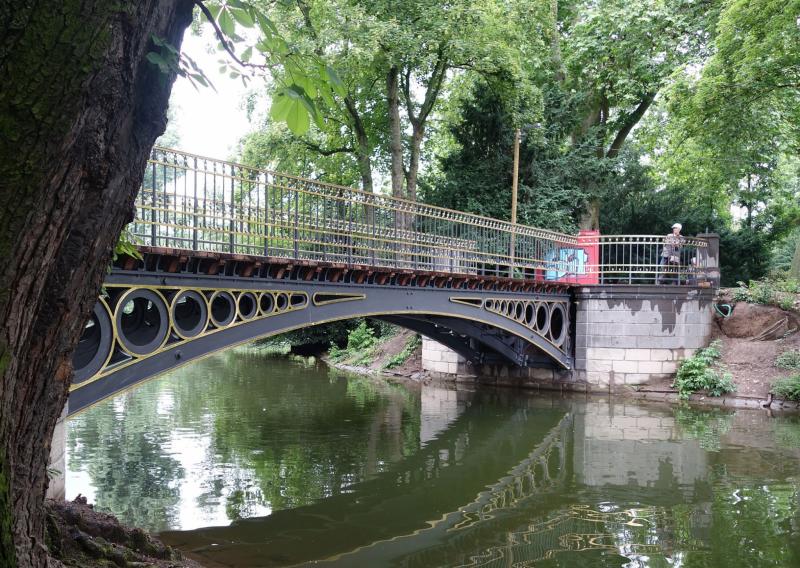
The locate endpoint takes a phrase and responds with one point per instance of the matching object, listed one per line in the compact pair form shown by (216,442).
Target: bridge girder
(151,322)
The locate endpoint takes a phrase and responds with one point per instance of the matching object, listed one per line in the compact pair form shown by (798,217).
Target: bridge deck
(174,261)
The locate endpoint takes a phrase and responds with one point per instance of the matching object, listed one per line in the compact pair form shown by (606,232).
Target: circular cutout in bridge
(530,313)
(94,347)
(223,308)
(266,303)
(189,314)
(142,321)
(282,301)
(519,311)
(558,324)
(248,306)
(542,318)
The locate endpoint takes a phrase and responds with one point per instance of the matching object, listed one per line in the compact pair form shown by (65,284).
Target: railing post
(153,214)
(232,224)
(350,230)
(194,208)
(266,214)
(296,224)
(708,259)
(371,213)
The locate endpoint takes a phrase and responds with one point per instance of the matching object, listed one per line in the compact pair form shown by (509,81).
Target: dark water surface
(243,460)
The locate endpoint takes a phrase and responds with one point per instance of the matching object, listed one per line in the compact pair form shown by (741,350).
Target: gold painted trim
(341,297)
(210,300)
(292,328)
(120,303)
(239,313)
(172,315)
(107,369)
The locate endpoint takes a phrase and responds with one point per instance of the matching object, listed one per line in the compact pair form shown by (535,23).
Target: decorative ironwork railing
(202,204)
(644,259)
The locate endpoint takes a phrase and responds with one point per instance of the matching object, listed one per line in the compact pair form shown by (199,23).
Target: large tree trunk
(590,218)
(413,161)
(81,108)
(794,270)
(395,130)
(362,151)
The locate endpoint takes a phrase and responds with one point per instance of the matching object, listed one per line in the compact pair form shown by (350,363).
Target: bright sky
(209,123)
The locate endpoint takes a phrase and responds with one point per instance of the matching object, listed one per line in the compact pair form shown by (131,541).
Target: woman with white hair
(671,254)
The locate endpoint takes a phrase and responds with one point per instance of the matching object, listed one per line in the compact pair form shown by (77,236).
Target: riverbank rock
(758,321)
(79,536)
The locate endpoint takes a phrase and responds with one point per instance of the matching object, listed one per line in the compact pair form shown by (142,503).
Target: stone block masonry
(441,361)
(635,335)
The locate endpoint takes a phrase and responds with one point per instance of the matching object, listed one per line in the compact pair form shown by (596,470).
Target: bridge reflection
(528,489)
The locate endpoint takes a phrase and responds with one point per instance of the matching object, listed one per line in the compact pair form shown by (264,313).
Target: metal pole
(514,181)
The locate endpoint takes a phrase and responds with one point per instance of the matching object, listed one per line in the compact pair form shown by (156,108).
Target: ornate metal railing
(202,204)
(644,259)
(197,203)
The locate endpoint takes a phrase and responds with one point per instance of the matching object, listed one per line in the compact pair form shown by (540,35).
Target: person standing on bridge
(671,254)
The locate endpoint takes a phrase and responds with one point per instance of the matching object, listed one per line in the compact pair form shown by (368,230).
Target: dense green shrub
(788,360)
(360,341)
(787,388)
(323,334)
(698,373)
(780,292)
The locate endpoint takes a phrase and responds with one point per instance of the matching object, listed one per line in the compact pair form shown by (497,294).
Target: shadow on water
(305,465)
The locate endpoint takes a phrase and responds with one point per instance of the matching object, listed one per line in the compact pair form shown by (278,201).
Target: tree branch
(629,123)
(330,152)
(405,85)
(226,43)
(434,86)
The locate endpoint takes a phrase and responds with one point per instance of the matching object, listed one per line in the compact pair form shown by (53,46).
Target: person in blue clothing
(671,256)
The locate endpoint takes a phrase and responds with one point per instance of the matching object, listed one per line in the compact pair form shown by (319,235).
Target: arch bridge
(231,253)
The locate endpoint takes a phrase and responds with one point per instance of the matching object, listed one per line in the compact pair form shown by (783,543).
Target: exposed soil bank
(80,537)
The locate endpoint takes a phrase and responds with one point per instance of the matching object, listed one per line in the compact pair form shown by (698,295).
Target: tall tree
(617,57)
(85,92)
(81,107)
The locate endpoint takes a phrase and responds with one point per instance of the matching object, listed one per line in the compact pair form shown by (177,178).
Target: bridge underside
(170,309)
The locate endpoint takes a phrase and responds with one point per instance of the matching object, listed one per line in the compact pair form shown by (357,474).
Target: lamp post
(514,183)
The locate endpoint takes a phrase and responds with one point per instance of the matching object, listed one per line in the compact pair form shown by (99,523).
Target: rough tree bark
(395,129)
(80,108)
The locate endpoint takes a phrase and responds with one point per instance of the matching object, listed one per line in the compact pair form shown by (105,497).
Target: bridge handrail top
(697,241)
(510,227)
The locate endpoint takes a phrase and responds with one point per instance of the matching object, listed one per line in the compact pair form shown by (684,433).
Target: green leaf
(242,17)
(247,54)
(157,59)
(226,23)
(290,106)
(266,25)
(335,81)
(214,10)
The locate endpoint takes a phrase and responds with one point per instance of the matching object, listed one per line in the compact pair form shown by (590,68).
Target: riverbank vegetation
(703,372)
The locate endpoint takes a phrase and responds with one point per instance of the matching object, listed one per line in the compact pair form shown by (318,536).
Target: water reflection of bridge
(473,471)
(540,483)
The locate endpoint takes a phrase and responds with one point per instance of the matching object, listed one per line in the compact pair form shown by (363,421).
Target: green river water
(243,460)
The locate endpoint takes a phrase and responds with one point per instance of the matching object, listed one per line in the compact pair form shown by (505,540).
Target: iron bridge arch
(166,311)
